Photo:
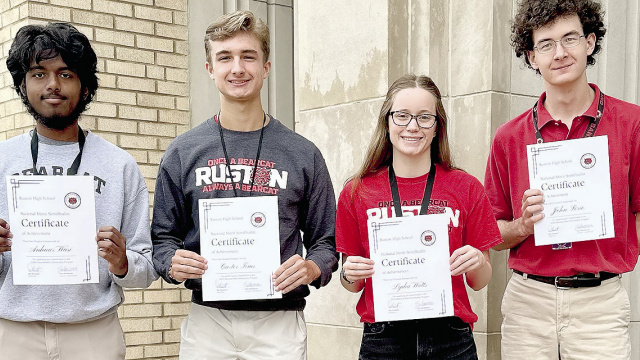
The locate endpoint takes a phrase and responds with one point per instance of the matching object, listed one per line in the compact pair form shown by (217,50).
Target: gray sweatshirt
(290,167)
(122,201)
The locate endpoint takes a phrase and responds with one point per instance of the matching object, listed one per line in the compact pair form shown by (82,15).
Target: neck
(69,134)
(567,102)
(411,167)
(240,116)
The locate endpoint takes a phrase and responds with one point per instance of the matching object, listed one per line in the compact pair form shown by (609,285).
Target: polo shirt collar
(544,117)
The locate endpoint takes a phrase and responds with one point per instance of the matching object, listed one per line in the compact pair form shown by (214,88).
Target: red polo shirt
(507,178)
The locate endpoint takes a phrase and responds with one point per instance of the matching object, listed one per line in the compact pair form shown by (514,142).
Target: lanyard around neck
(226,155)
(395,194)
(590,131)
(73,170)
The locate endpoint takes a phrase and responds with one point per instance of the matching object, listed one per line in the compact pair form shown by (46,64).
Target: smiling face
(53,91)
(412,142)
(563,66)
(238,67)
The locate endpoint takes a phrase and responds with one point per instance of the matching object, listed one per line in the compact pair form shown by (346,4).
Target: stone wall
(464,46)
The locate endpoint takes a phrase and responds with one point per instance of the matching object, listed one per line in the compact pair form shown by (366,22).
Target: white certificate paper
(53,223)
(574,177)
(240,238)
(412,279)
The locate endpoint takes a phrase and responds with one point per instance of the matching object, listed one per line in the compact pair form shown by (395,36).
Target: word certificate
(574,177)
(53,221)
(412,279)
(240,238)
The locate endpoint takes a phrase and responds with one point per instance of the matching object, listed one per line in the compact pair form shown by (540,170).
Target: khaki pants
(214,334)
(100,339)
(540,321)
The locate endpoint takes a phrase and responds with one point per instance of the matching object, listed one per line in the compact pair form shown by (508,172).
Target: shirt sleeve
(169,216)
(135,228)
(348,239)
(481,230)
(319,225)
(496,181)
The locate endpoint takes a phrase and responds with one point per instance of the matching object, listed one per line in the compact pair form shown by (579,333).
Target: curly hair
(534,14)
(34,43)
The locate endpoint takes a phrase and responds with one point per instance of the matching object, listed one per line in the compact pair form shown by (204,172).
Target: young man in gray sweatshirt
(243,152)
(54,72)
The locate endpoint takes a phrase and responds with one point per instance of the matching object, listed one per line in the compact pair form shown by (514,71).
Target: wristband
(344,277)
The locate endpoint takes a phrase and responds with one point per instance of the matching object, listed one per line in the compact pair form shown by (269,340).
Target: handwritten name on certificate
(240,238)
(412,279)
(574,177)
(53,223)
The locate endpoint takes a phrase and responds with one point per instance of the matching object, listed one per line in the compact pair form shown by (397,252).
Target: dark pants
(440,338)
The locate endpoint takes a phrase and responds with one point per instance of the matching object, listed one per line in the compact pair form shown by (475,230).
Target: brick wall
(141,105)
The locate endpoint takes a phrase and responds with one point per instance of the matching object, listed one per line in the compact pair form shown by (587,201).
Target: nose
(238,67)
(53,84)
(560,52)
(413,125)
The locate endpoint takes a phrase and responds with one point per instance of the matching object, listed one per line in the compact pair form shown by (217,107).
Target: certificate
(54,229)
(412,279)
(574,177)
(240,238)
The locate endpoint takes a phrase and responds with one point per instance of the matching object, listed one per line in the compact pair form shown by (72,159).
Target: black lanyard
(590,131)
(226,156)
(425,198)
(73,170)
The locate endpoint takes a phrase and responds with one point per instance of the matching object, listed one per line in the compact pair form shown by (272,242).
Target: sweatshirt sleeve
(319,225)
(168,216)
(135,227)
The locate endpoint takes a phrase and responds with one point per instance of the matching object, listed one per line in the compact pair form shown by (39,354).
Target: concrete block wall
(141,105)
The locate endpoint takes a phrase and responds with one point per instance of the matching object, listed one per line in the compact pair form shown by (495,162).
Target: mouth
(53,99)
(412,138)
(563,67)
(238,82)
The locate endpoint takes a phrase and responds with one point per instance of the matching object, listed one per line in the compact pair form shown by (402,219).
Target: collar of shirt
(544,117)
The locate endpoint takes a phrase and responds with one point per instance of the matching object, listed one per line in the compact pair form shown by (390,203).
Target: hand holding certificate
(574,177)
(240,239)
(412,279)
(53,222)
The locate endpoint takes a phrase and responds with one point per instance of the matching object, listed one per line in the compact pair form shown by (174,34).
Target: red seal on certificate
(588,161)
(428,238)
(72,200)
(258,219)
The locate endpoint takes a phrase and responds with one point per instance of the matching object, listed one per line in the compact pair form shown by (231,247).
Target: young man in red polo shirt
(588,317)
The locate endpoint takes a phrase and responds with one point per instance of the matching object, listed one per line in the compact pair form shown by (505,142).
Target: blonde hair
(380,152)
(229,25)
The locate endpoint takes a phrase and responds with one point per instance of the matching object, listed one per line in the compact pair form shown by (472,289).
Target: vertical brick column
(142,104)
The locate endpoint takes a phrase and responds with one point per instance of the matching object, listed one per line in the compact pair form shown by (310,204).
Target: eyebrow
(246,51)
(40,67)
(572,32)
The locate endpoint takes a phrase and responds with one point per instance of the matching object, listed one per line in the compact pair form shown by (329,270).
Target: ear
(591,43)
(531,55)
(85,94)
(209,69)
(267,69)
(23,88)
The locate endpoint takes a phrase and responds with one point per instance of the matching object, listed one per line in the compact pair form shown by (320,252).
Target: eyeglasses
(401,118)
(569,41)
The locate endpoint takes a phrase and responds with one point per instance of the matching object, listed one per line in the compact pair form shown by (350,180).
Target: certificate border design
(206,206)
(377,226)
(536,150)
(15,184)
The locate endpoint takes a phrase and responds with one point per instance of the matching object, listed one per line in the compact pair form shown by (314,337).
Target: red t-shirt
(455,193)
(507,178)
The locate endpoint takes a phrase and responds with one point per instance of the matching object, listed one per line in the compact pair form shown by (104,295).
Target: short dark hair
(534,14)
(34,43)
